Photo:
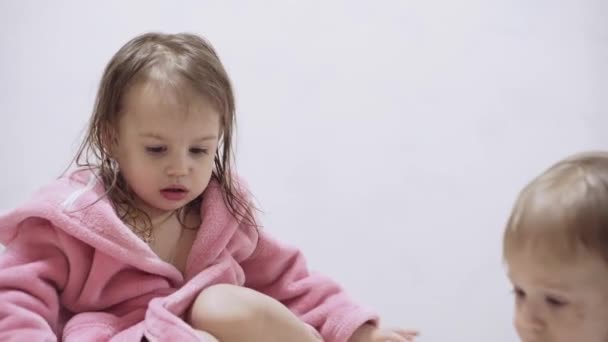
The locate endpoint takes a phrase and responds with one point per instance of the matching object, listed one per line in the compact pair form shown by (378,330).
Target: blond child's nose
(528,322)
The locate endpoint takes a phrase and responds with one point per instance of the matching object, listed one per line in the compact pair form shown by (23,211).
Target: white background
(387,139)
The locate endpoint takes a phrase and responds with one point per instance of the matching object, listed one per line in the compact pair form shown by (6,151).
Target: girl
(152,238)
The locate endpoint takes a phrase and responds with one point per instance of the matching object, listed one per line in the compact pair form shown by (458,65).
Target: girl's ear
(110,141)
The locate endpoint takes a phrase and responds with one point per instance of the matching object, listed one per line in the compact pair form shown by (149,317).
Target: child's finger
(407,332)
(395,337)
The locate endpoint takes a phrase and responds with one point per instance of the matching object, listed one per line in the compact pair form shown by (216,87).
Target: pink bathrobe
(76,274)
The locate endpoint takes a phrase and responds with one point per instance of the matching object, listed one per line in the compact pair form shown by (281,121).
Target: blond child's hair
(563,213)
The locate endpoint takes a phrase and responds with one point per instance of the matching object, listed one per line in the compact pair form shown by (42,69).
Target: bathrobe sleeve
(33,270)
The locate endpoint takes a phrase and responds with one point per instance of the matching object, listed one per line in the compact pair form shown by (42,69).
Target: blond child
(556,251)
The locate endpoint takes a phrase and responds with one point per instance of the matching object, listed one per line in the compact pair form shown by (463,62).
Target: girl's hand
(371,333)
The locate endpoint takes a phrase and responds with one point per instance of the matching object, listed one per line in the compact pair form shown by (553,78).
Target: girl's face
(165,148)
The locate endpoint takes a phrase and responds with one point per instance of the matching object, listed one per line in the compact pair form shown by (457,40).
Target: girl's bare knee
(233,313)
(224,306)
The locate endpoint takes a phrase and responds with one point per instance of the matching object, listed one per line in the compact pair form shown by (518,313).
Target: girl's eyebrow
(207,137)
(160,137)
(151,135)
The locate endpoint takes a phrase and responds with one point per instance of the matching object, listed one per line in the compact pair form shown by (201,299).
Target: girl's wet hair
(178,63)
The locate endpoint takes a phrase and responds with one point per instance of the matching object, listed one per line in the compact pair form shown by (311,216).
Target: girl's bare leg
(205,336)
(232,314)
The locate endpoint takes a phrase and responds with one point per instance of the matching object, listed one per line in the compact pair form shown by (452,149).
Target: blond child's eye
(555,302)
(519,293)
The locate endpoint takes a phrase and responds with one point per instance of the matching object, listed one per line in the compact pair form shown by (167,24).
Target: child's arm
(281,272)
(32,271)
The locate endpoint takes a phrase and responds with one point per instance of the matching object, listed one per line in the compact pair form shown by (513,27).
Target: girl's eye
(156,149)
(196,150)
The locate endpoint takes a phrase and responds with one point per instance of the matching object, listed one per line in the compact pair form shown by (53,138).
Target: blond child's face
(560,302)
(165,150)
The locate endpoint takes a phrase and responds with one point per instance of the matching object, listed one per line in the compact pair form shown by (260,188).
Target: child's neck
(157,216)
(158,219)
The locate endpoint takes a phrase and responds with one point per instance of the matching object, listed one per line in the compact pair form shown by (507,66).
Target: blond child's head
(556,250)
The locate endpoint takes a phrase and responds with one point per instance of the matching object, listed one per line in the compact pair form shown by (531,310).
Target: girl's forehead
(159,94)
(145,100)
